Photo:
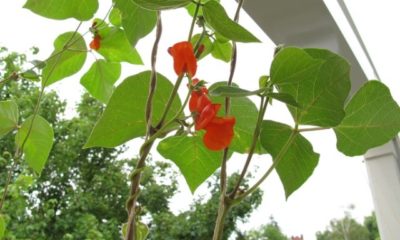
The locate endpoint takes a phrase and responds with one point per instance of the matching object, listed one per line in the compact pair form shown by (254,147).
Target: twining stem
(153,78)
(165,128)
(19,150)
(196,12)
(223,210)
(180,78)
(256,135)
(275,163)
(145,150)
(223,204)
(135,182)
(170,101)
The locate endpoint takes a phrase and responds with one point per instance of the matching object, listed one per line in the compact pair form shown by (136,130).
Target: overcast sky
(337,182)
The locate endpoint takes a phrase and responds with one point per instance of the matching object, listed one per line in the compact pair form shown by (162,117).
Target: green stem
(135,182)
(8,181)
(196,12)
(312,129)
(223,210)
(256,135)
(224,204)
(170,101)
(275,163)
(153,78)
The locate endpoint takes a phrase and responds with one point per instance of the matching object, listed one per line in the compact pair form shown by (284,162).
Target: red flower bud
(184,58)
(95,43)
(201,49)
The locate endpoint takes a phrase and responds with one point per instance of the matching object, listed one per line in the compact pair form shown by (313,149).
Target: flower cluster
(219,130)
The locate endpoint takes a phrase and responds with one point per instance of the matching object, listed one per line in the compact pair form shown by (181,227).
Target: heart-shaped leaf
(36,145)
(222,51)
(216,16)
(137,22)
(115,47)
(297,159)
(100,79)
(193,159)
(68,57)
(124,117)
(317,79)
(8,117)
(372,118)
(55,9)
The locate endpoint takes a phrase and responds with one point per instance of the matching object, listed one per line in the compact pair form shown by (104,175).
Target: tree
(270,231)
(77,185)
(198,222)
(372,226)
(348,228)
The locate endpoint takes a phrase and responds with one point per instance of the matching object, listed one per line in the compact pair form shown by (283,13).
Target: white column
(383,167)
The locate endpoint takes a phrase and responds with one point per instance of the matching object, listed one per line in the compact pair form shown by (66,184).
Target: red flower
(219,133)
(208,113)
(219,130)
(95,43)
(184,58)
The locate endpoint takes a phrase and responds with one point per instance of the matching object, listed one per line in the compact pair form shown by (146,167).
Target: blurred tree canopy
(348,228)
(270,231)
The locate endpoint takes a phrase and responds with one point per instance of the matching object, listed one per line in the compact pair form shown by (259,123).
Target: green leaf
(318,80)
(115,47)
(218,19)
(220,38)
(297,159)
(55,9)
(64,63)
(285,98)
(115,16)
(2,226)
(38,64)
(161,4)
(263,81)
(191,8)
(194,160)
(141,231)
(206,42)
(222,51)
(124,117)
(100,79)
(232,91)
(137,22)
(30,75)
(9,115)
(245,112)
(372,119)
(38,144)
